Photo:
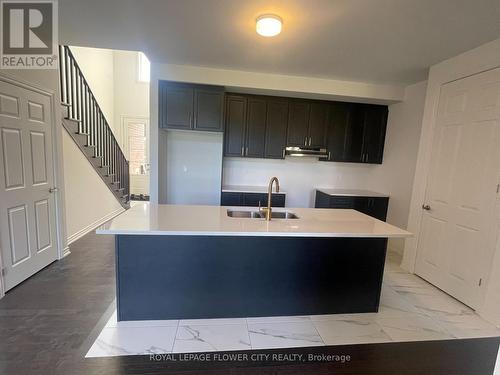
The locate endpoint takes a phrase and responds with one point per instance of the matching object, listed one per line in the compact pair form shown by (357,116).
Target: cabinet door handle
(305,141)
(329,155)
(310,140)
(246,151)
(242,151)
(284,153)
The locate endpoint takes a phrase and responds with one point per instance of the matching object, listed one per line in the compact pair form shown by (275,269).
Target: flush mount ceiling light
(268,25)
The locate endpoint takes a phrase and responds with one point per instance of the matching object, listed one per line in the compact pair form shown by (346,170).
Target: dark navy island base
(193,277)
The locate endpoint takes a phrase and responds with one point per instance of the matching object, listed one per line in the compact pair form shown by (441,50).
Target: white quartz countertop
(153,219)
(248,189)
(351,192)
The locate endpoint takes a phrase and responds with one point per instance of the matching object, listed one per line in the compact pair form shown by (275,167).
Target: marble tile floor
(411,310)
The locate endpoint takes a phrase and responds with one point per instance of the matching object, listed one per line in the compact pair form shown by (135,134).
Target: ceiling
(379,41)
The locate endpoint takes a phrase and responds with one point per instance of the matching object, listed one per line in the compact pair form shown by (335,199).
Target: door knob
(426,207)
(52,190)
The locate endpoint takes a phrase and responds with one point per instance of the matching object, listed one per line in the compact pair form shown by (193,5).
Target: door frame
(481,59)
(57,164)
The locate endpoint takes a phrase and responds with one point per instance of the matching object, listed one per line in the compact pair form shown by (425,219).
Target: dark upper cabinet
(356,133)
(374,133)
(235,124)
(318,123)
(209,109)
(298,123)
(353,149)
(256,127)
(337,130)
(190,107)
(262,126)
(176,106)
(276,126)
(307,123)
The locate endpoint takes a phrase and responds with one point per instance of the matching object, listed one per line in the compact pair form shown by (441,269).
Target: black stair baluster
(71,84)
(87,125)
(61,74)
(84,103)
(77,99)
(66,73)
(104,135)
(92,128)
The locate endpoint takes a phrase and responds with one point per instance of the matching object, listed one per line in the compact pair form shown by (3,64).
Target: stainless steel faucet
(268,210)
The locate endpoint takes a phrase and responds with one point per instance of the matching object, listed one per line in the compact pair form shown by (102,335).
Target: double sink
(259,215)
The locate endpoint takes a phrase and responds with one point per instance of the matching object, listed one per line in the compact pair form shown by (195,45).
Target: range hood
(306,151)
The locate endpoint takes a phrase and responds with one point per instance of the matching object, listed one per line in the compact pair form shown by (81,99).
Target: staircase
(87,125)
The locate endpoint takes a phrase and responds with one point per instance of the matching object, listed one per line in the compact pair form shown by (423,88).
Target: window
(137,148)
(143,68)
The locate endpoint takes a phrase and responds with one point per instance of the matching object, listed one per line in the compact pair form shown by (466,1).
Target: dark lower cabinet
(372,206)
(248,199)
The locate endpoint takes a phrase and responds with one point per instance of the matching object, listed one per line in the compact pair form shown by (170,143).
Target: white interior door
(457,239)
(27,215)
(136,139)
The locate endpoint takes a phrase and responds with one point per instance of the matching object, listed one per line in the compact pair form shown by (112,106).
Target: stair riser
(81,141)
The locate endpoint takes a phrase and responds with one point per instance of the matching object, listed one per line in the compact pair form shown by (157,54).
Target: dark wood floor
(48,322)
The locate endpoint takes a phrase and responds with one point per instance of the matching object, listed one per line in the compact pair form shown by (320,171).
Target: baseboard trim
(82,232)
(66,252)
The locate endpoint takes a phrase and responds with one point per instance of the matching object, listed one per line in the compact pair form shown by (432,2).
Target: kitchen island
(194,262)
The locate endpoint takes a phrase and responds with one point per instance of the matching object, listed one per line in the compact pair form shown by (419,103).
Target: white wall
(97,67)
(395,175)
(112,76)
(131,97)
(234,80)
(194,167)
(480,59)
(300,176)
(89,202)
